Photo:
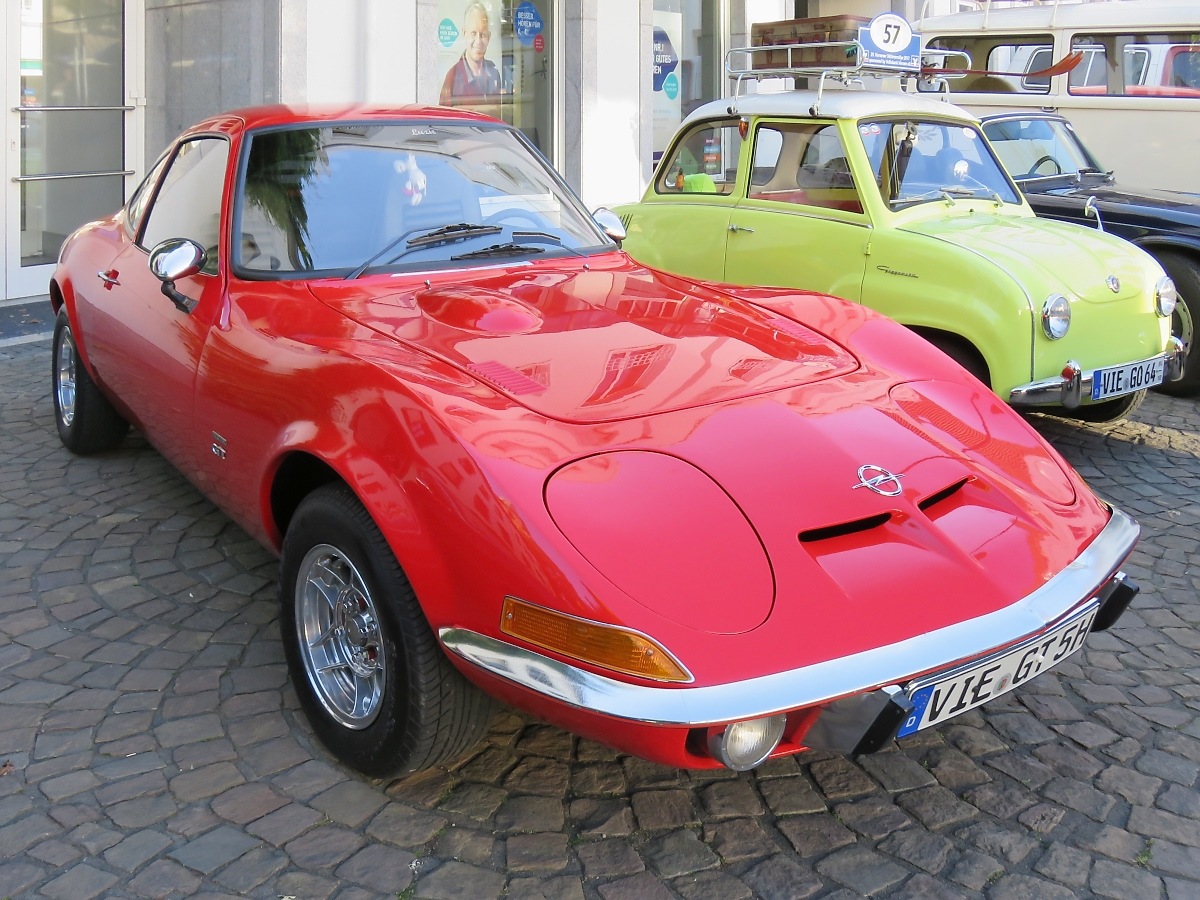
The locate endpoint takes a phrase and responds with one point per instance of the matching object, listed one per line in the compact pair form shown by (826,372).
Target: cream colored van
(1134,96)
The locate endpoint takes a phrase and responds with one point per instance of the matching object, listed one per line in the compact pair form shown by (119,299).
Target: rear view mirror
(173,259)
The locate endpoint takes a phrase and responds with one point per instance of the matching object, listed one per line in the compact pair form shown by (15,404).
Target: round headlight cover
(1165,297)
(1056,316)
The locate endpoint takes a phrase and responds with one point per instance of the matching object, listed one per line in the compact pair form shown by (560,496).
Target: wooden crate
(818,30)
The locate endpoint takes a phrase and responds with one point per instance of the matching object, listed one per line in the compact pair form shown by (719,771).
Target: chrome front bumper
(1073,386)
(821,683)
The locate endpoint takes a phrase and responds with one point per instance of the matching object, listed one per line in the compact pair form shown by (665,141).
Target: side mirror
(610,224)
(173,259)
(1092,211)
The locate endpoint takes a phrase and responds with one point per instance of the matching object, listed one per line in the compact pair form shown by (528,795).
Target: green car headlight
(1056,316)
(1165,297)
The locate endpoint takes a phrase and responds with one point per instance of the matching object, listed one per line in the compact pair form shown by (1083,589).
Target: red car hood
(611,342)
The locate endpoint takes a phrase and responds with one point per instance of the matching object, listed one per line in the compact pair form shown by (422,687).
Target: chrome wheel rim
(64,378)
(340,638)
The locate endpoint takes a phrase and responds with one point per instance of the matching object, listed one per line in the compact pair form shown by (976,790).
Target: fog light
(743,745)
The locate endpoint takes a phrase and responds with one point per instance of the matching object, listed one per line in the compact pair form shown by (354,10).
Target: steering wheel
(1033,170)
(506,215)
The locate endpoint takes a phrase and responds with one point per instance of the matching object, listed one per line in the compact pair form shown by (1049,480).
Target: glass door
(65,129)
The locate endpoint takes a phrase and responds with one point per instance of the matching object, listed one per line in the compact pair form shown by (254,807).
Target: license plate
(1128,378)
(948,695)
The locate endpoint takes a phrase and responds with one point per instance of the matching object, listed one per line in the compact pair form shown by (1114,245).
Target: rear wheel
(86,421)
(1186,275)
(371,677)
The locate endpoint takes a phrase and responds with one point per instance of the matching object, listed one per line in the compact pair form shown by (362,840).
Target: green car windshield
(918,161)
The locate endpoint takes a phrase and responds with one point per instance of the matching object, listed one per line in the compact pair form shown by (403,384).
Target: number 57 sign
(888,42)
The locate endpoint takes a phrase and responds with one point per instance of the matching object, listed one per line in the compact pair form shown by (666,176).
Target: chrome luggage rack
(740,66)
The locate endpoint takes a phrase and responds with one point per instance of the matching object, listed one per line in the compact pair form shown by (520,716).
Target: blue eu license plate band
(948,695)
(1126,379)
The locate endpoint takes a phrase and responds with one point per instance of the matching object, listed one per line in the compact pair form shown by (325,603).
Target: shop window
(497,57)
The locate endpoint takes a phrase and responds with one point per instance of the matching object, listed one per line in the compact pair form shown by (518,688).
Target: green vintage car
(896,200)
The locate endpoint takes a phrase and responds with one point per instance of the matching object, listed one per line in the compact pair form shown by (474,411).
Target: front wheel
(1107,410)
(371,677)
(86,421)
(1186,275)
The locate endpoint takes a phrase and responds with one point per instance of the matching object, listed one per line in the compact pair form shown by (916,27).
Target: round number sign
(890,32)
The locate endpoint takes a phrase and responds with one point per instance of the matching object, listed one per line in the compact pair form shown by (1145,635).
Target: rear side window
(704,161)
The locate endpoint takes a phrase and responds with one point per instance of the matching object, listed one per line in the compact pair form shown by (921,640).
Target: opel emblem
(1114,283)
(880,480)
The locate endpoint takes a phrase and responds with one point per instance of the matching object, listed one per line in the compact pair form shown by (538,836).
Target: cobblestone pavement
(151,746)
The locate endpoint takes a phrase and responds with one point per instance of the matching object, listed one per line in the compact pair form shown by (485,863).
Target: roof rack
(795,61)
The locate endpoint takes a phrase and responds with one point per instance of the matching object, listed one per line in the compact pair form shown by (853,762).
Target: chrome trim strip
(819,683)
(1050,390)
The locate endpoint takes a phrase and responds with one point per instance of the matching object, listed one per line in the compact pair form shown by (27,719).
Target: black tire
(377,688)
(1106,410)
(86,421)
(963,354)
(1185,273)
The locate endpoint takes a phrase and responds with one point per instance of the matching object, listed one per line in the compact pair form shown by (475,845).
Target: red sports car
(498,458)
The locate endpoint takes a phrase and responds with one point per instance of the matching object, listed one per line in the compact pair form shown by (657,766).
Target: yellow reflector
(603,645)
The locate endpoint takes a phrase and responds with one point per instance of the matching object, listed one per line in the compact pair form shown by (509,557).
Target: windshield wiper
(455,232)
(447,234)
(506,249)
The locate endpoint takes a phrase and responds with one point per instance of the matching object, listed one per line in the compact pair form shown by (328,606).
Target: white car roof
(836,103)
(1143,13)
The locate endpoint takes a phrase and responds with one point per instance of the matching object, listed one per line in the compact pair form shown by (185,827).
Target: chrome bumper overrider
(810,685)
(1074,385)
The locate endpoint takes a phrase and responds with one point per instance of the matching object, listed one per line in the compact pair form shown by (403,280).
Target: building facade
(94,89)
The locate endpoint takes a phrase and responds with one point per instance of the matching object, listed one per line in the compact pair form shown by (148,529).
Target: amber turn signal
(602,645)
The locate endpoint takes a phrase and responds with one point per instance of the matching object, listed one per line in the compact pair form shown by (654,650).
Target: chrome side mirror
(610,224)
(173,259)
(1091,210)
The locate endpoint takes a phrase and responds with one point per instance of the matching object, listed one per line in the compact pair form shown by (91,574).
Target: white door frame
(18,281)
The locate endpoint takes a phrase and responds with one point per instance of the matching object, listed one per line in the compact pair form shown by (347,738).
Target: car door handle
(736,228)
(109,278)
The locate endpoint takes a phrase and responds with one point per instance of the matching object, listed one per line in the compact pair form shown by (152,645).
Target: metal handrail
(58,176)
(40,108)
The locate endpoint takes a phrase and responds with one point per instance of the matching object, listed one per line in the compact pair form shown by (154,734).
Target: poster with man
(471,56)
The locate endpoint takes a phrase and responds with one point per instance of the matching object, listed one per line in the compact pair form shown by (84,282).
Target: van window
(1009,54)
(1153,65)
(1157,65)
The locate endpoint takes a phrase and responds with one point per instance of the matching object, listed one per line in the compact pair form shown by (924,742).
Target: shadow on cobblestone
(150,745)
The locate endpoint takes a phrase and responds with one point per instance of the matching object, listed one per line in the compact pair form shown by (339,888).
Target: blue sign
(888,42)
(527,23)
(671,86)
(666,60)
(447,33)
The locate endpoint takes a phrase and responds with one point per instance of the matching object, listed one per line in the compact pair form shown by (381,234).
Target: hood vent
(944,494)
(506,378)
(834,531)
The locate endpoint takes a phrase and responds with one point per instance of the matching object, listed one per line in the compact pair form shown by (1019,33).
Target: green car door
(799,220)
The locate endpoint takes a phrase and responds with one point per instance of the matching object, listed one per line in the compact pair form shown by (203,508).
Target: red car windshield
(345,198)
